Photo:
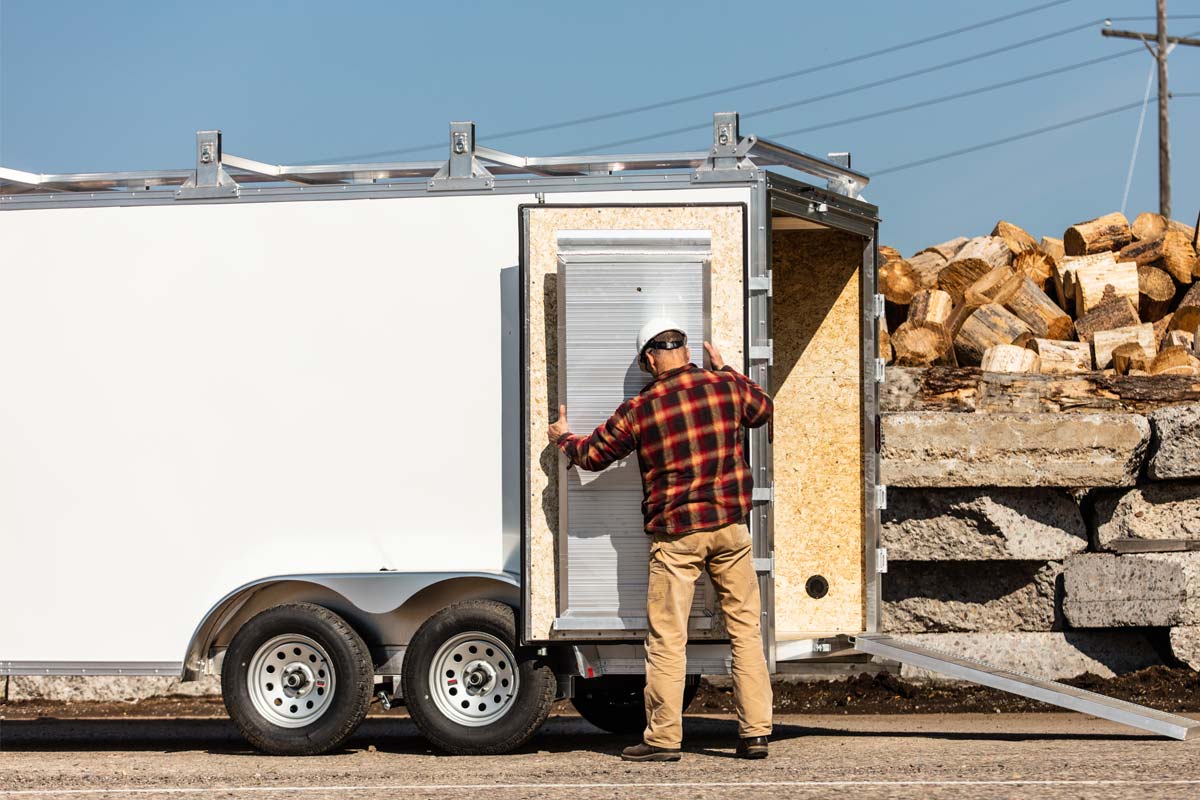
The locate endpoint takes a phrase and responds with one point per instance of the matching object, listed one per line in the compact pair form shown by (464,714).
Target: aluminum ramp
(1059,694)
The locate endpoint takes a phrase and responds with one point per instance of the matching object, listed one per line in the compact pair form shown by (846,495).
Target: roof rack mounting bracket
(729,157)
(463,170)
(210,179)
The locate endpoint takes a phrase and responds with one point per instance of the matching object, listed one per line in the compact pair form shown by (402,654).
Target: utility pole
(1162,47)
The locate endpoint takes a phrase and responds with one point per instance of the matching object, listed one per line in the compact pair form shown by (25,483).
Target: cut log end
(1010,358)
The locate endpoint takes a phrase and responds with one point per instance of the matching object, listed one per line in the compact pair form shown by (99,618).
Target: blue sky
(123,84)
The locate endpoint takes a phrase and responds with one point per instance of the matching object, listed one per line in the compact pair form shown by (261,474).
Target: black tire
(617,704)
(352,680)
(527,709)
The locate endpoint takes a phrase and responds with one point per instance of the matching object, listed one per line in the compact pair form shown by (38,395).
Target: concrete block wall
(1051,543)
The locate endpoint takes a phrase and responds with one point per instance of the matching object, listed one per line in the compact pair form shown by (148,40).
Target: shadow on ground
(561,734)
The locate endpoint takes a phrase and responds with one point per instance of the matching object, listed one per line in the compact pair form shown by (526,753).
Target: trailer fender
(368,600)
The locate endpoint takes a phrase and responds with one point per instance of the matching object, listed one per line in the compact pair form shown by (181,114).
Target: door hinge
(762,495)
(763,352)
(881,559)
(765,566)
(879,306)
(880,368)
(881,497)
(760,283)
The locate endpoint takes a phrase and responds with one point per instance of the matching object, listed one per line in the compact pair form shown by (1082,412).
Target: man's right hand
(714,356)
(558,428)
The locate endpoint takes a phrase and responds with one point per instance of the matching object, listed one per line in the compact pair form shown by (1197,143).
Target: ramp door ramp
(1059,694)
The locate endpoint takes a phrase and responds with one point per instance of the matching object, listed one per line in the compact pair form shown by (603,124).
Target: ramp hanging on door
(592,276)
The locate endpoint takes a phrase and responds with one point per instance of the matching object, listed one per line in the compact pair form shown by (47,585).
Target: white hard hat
(653,328)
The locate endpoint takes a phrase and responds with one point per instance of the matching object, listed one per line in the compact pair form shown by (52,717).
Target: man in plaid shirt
(686,426)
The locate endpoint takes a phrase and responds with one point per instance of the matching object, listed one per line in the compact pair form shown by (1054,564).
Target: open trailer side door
(591,276)
(823,377)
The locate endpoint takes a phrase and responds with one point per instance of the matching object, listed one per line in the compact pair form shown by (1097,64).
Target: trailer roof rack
(469,166)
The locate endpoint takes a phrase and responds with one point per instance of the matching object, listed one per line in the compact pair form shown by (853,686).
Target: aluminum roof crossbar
(470,166)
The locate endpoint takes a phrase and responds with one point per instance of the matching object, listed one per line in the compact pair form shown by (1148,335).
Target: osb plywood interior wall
(727,322)
(818,512)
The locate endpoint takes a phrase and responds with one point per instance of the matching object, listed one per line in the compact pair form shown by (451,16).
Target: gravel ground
(926,756)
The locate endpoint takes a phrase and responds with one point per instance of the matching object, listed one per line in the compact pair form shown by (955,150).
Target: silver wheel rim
(291,681)
(473,679)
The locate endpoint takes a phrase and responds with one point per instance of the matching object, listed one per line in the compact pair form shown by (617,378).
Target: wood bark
(1179,257)
(1142,251)
(1156,292)
(967,389)
(947,250)
(1093,282)
(1129,356)
(1010,358)
(1106,341)
(1016,237)
(1061,357)
(1038,311)
(925,266)
(915,347)
(1036,265)
(994,287)
(931,309)
(1117,312)
(988,326)
(1053,247)
(1109,232)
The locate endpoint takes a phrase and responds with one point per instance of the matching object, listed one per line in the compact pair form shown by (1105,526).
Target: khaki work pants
(675,564)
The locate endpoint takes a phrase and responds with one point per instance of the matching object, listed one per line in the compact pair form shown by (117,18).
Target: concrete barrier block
(925,597)
(1185,645)
(1153,511)
(1146,589)
(1175,448)
(982,525)
(1052,655)
(1071,450)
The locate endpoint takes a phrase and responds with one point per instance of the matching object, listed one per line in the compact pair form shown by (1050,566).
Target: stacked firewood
(1106,296)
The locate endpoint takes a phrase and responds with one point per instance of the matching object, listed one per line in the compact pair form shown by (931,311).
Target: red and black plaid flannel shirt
(686,426)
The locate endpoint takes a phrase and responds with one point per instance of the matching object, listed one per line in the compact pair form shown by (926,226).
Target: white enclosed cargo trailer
(286,424)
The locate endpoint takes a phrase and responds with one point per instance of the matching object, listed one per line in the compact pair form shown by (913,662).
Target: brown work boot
(752,747)
(648,752)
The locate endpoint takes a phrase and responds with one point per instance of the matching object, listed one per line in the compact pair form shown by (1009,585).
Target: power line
(1019,136)
(851,90)
(724,90)
(1005,140)
(955,96)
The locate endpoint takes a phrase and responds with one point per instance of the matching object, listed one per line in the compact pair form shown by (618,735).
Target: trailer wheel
(617,703)
(467,686)
(297,680)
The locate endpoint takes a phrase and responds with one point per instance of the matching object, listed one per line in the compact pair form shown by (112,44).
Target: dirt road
(960,756)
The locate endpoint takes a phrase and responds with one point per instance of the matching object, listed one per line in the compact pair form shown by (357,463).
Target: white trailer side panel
(200,396)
